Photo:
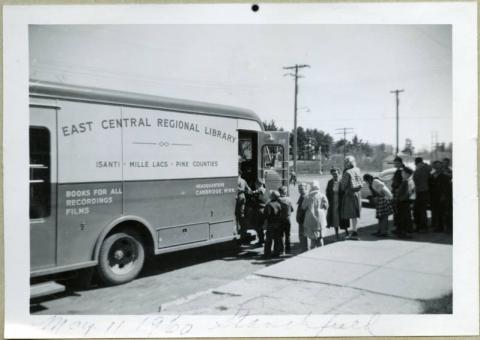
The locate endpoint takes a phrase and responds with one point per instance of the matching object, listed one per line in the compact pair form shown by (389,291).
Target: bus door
(43,189)
(273,160)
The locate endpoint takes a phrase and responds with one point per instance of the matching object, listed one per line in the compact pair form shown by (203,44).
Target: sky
(352,70)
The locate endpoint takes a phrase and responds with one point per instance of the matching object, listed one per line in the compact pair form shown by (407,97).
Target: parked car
(386,176)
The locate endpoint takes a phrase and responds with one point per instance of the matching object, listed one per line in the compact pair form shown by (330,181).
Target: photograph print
(250,174)
(205,169)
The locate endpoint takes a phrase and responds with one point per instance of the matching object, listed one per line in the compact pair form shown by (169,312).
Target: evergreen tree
(270,126)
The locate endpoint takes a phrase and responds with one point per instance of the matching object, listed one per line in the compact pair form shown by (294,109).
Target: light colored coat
(315,205)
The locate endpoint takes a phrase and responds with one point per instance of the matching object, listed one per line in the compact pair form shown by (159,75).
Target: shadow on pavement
(36,304)
(365,234)
(441,305)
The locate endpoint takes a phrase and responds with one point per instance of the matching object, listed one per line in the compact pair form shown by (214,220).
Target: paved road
(172,276)
(370,276)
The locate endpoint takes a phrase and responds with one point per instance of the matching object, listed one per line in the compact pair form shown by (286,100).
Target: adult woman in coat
(333,197)
(351,202)
(315,205)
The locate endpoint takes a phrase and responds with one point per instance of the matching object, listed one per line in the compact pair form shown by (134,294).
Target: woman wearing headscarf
(315,206)
(350,186)
(383,203)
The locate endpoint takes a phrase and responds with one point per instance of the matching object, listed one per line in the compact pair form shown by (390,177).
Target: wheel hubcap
(122,256)
(118,255)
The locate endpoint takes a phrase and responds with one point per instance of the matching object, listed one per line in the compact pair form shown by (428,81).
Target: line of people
(412,193)
(340,206)
(272,211)
(416,191)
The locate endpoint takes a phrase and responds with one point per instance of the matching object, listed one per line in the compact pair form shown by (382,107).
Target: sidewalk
(385,276)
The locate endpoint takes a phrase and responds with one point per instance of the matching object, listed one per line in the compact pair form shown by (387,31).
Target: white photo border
(465,318)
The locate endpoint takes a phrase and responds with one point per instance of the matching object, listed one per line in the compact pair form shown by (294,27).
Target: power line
(344,131)
(296,75)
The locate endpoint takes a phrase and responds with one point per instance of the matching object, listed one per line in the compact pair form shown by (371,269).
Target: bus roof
(97,95)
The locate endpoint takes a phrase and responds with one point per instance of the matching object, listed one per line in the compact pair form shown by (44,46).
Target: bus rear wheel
(121,258)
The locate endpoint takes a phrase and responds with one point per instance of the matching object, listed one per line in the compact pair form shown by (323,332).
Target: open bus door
(273,158)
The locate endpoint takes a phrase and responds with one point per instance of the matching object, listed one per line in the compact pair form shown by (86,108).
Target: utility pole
(398,103)
(295,67)
(344,131)
(434,145)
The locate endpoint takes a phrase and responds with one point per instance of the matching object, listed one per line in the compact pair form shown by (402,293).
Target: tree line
(314,144)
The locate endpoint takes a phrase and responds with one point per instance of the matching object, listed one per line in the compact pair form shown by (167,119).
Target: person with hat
(333,197)
(421,178)
(274,226)
(286,212)
(404,198)
(315,205)
(259,198)
(300,216)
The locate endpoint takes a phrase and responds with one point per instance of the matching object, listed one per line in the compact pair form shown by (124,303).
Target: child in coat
(286,211)
(274,226)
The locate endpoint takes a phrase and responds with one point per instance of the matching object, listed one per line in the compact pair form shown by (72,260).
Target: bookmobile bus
(116,176)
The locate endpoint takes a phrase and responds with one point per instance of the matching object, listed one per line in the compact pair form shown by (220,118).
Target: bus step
(45,288)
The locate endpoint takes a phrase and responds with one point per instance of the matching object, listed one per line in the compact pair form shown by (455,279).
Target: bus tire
(121,258)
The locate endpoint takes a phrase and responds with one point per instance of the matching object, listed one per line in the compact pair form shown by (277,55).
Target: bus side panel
(184,207)
(84,210)
(89,177)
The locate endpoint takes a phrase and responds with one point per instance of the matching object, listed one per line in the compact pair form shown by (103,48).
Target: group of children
(268,213)
(277,217)
(311,217)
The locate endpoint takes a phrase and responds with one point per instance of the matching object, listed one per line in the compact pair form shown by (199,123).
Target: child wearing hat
(286,211)
(274,226)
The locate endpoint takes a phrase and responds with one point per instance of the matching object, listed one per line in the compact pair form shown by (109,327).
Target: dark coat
(344,224)
(440,187)
(287,207)
(273,214)
(396,181)
(300,212)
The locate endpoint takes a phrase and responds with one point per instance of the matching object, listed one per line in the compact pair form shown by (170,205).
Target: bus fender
(115,223)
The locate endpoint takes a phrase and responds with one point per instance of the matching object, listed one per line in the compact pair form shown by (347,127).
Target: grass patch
(442,305)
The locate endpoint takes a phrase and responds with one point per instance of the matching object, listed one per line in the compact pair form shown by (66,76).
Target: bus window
(39,172)
(272,156)
(275,170)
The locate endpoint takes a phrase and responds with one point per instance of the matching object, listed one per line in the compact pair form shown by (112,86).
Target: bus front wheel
(121,258)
